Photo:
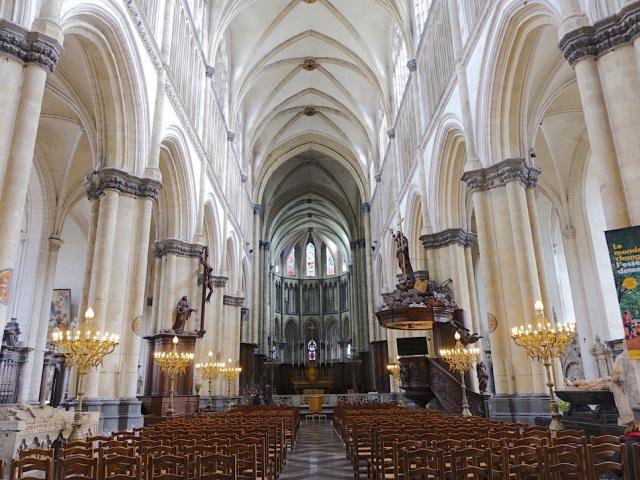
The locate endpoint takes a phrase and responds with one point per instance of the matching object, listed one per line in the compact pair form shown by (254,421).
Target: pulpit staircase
(447,390)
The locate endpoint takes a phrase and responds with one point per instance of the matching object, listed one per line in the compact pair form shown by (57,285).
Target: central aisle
(318,455)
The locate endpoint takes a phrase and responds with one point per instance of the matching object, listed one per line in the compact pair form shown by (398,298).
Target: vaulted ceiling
(314,71)
(318,67)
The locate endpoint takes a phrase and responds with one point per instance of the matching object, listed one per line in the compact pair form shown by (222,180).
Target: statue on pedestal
(404,262)
(183,312)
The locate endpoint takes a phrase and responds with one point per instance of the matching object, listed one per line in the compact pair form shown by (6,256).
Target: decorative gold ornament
(210,371)
(173,364)
(83,349)
(230,373)
(461,359)
(544,342)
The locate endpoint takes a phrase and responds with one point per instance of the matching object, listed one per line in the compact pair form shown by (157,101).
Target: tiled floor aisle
(318,455)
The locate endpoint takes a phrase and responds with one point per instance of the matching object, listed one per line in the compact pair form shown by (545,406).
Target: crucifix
(206,281)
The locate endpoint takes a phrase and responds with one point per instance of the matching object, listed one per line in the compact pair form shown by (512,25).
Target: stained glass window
(291,263)
(311,260)
(331,265)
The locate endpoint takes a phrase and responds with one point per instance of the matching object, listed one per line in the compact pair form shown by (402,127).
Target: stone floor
(318,455)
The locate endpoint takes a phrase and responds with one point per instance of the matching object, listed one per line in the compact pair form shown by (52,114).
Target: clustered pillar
(510,267)
(114,287)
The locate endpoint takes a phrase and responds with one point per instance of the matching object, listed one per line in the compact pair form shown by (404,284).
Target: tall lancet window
(291,263)
(311,260)
(420,11)
(331,264)
(400,69)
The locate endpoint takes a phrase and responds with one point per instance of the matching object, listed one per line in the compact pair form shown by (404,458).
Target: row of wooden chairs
(384,442)
(241,444)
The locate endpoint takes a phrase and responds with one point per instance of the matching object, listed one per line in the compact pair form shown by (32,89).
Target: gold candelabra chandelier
(394,369)
(83,349)
(544,342)
(173,364)
(210,371)
(461,359)
(230,373)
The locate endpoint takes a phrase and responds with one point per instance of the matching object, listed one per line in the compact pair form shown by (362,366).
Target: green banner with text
(624,252)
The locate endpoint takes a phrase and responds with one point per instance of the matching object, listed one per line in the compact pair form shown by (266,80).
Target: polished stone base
(116,414)
(318,454)
(518,408)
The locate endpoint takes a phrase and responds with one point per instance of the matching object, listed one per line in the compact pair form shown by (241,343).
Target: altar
(312,379)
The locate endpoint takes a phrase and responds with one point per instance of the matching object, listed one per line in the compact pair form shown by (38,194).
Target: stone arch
(415,225)
(511,43)
(449,191)
(212,234)
(301,143)
(121,119)
(176,202)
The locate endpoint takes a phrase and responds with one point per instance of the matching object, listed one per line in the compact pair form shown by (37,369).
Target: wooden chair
(25,468)
(607,458)
(473,463)
(77,468)
(400,450)
(565,462)
(247,462)
(1,468)
(120,467)
(522,463)
(216,467)
(168,467)
(76,452)
(424,464)
(35,453)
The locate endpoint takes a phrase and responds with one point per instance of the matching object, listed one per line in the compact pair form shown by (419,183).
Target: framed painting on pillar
(60,313)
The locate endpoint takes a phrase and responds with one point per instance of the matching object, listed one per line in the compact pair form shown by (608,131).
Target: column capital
(114,179)
(233,301)
(412,65)
(597,39)
(258,209)
(451,236)
(29,47)
(219,281)
(231,136)
(55,243)
(172,246)
(366,208)
(510,170)
(391,133)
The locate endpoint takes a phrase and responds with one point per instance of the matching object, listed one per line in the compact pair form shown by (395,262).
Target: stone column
(232,311)
(454,244)
(33,372)
(607,98)
(121,213)
(19,50)
(131,343)
(40,53)
(255,290)
(510,267)
(369,310)
(173,252)
(265,318)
